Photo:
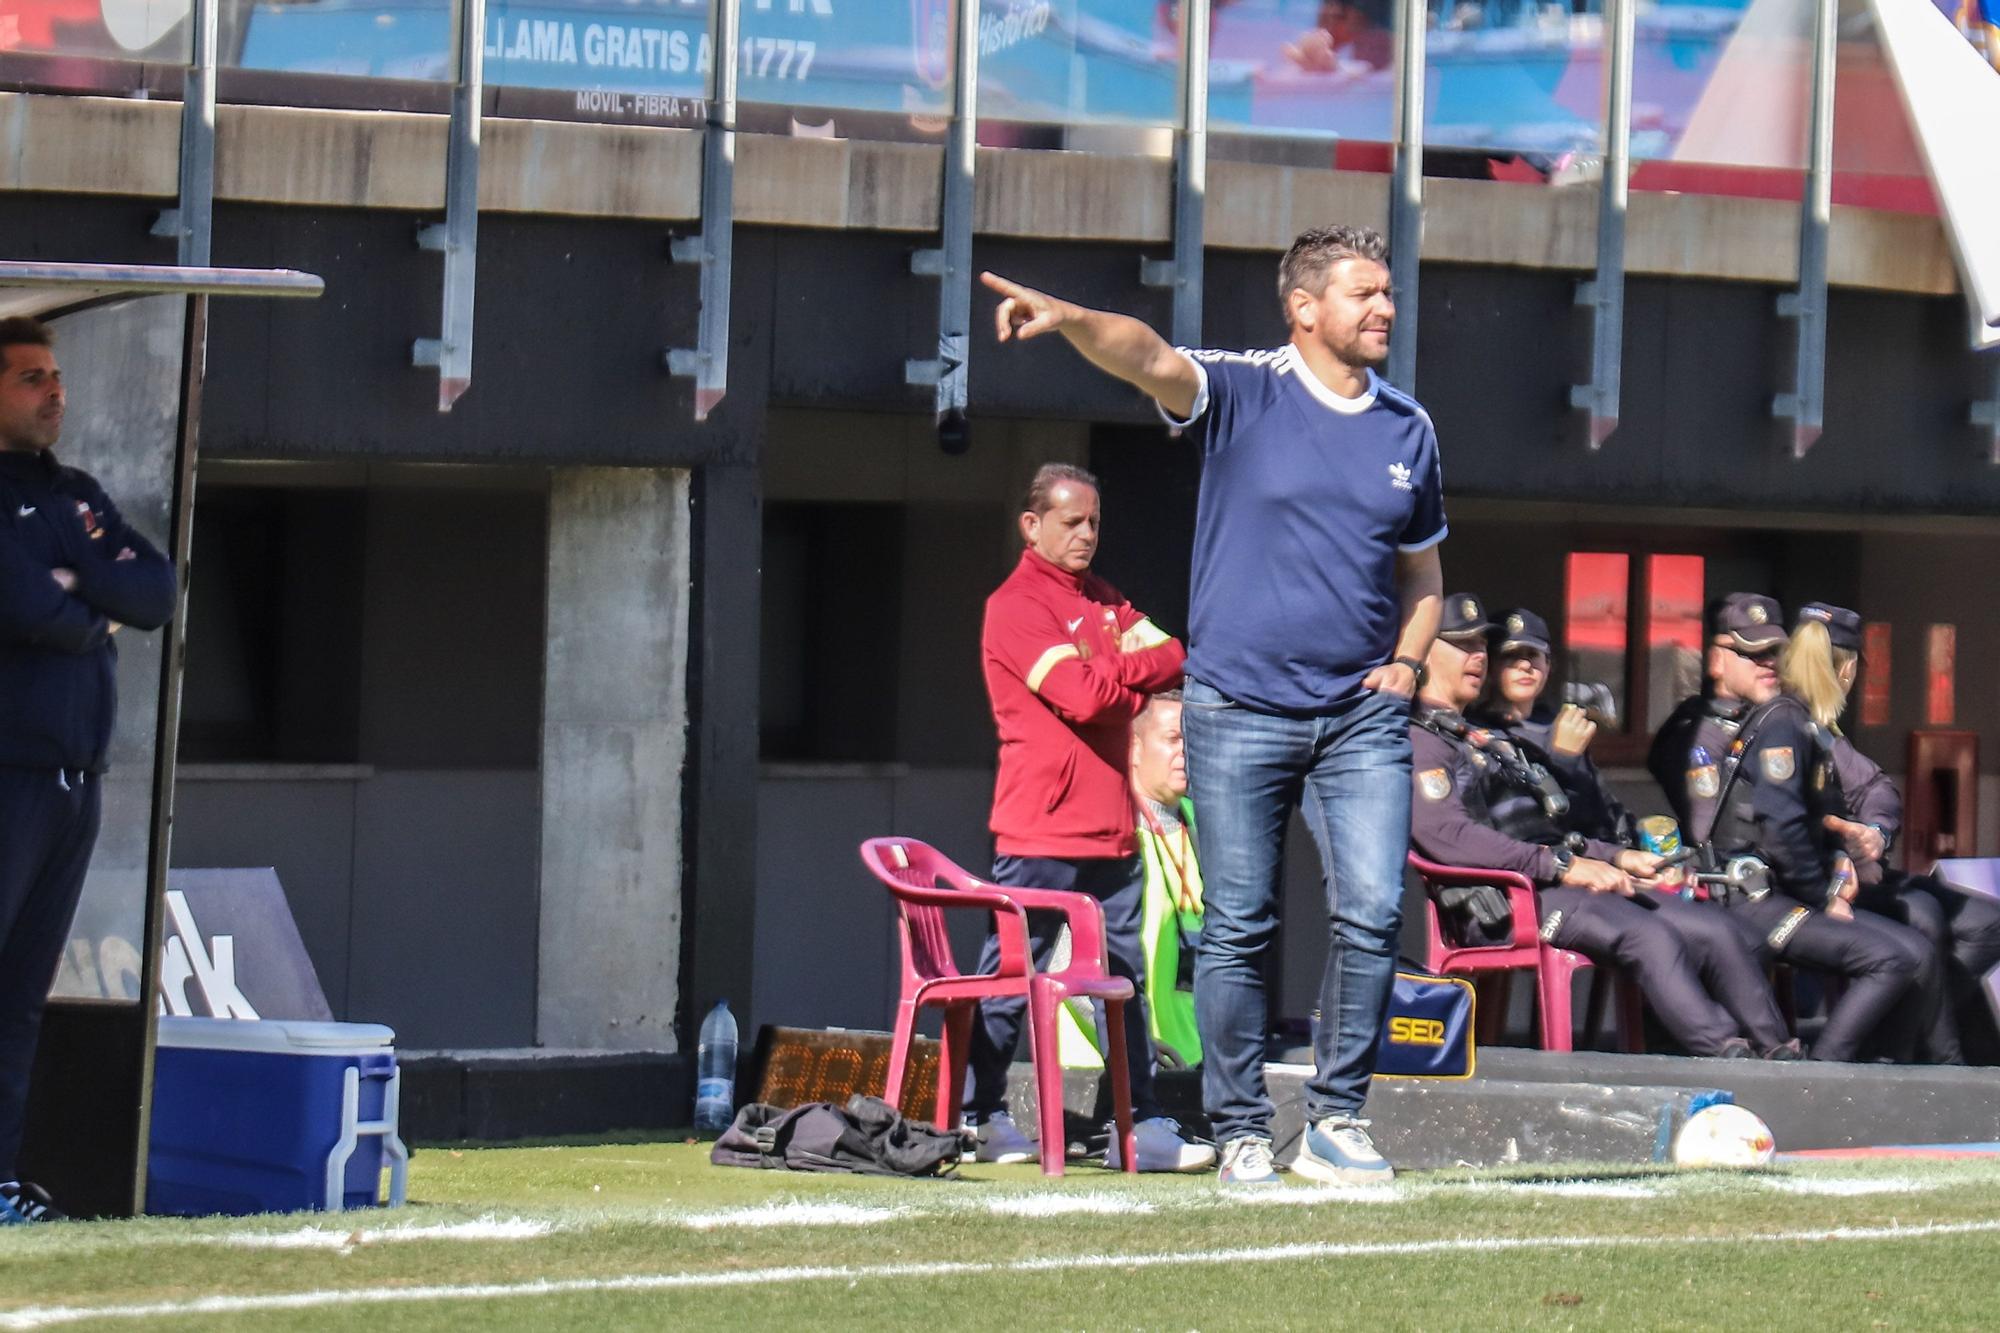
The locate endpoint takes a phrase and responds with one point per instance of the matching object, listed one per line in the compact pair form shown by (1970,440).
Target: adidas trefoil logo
(1399,476)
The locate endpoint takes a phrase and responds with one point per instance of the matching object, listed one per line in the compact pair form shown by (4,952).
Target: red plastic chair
(926,884)
(1553,968)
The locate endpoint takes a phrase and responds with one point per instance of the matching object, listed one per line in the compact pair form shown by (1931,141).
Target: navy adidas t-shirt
(1306,498)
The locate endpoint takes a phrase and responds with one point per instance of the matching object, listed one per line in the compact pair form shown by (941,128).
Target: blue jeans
(1350,775)
(1119,887)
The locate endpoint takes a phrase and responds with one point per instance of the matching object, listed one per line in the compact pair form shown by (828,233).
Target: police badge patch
(1778,763)
(1435,782)
(1704,782)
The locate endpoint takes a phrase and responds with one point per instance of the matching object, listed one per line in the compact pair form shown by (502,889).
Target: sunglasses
(1762,657)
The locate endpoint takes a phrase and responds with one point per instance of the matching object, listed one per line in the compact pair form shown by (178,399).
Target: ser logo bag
(1427,1028)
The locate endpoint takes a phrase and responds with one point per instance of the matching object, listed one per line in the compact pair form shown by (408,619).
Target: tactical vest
(1722,794)
(1512,792)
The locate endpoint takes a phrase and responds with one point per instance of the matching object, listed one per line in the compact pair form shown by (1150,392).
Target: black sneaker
(23,1201)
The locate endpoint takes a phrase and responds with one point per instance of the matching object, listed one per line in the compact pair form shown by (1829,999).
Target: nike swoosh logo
(27,510)
(1074,623)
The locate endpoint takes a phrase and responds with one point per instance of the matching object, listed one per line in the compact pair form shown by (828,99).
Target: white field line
(1848,1186)
(1058,1205)
(1317,1194)
(49,1316)
(346,1238)
(792,1214)
(1575,1189)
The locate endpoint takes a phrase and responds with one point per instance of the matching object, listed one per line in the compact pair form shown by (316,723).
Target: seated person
(1745,773)
(1510,703)
(1482,801)
(1818,668)
(1171,908)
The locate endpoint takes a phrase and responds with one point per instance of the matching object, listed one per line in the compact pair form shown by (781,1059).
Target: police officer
(1518,656)
(1818,668)
(1481,800)
(71,572)
(1745,773)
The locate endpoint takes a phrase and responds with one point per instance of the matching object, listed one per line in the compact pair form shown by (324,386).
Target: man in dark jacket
(71,574)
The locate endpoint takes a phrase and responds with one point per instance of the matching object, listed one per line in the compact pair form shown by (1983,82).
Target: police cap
(1521,628)
(1843,627)
(1464,617)
(1754,621)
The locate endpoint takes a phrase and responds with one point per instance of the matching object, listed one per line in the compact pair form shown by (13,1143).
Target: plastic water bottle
(715,1071)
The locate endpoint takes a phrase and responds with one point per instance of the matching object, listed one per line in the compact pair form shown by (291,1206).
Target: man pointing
(1316,592)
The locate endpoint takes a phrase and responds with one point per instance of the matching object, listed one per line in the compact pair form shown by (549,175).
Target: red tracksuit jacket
(1064,695)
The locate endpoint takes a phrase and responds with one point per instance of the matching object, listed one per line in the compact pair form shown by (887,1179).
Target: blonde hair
(1811,669)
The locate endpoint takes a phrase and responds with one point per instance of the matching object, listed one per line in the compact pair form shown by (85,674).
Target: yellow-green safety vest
(1170,1010)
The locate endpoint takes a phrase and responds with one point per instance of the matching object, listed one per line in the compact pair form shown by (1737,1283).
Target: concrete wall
(375,159)
(499,864)
(414,891)
(614,738)
(394,648)
(122,366)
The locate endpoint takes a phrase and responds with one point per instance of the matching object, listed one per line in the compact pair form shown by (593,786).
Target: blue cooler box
(272,1117)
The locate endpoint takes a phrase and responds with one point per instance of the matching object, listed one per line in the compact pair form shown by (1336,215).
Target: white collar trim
(1318,389)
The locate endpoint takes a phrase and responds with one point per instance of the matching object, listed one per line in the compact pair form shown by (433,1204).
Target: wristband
(1414,665)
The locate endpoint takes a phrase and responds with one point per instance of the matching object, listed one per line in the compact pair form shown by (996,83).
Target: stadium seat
(926,885)
(1524,950)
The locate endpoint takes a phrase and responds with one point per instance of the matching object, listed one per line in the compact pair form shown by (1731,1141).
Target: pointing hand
(1025,313)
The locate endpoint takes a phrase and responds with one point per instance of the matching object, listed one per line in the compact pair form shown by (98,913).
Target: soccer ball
(1724,1135)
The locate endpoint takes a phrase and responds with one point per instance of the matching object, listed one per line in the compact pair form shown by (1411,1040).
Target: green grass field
(623,1234)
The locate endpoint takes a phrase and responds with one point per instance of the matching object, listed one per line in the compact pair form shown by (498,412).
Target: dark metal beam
(1605,293)
(458,237)
(1183,273)
(190,221)
(1805,405)
(1986,412)
(1406,197)
(707,363)
(951,264)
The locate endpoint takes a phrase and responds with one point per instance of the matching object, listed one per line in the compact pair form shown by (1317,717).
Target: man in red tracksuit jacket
(1068,665)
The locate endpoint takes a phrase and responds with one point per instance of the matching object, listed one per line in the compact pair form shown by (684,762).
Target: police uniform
(1480,800)
(1594,809)
(1963,928)
(1754,780)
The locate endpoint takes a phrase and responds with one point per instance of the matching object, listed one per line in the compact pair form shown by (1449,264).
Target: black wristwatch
(1414,665)
(1563,858)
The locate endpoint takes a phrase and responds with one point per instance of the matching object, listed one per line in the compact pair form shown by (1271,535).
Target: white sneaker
(1337,1151)
(1162,1147)
(1002,1142)
(1247,1161)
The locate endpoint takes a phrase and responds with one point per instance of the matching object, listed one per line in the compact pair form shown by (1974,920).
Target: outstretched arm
(1116,344)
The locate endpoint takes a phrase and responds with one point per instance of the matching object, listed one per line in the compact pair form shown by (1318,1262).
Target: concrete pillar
(614,741)
(721,948)
(122,366)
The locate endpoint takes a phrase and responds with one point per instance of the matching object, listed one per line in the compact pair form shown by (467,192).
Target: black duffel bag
(867,1137)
